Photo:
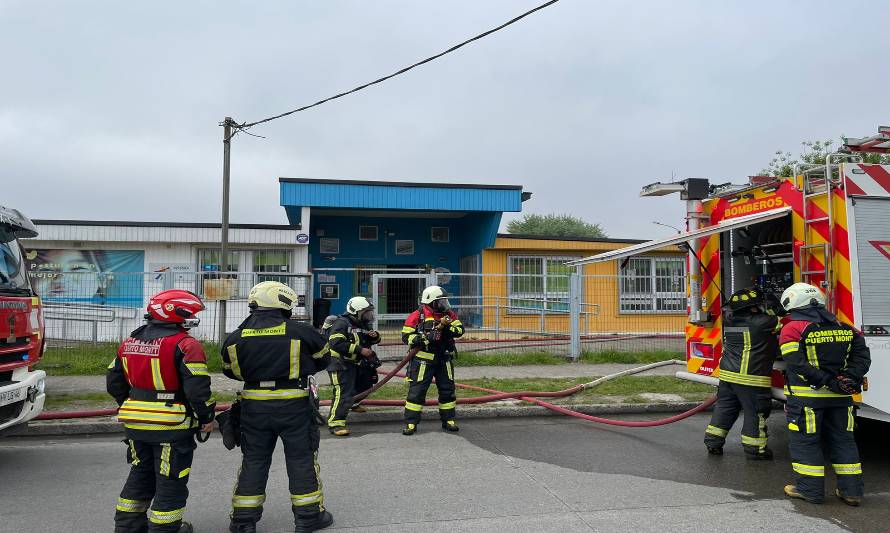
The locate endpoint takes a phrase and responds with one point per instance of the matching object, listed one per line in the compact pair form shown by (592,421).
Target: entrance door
(401,293)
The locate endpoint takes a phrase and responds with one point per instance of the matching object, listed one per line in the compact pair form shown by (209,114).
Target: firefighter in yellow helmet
(827,362)
(750,347)
(431,330)
(351,337)
(275,357)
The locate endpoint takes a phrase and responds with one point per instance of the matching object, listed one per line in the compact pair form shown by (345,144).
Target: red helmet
(175,306)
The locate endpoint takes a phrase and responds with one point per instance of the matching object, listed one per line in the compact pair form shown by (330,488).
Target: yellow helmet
(272,295)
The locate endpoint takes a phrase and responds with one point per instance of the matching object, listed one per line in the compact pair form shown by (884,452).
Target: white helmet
(360,308)
(272,295)
(801,295)
(435,297)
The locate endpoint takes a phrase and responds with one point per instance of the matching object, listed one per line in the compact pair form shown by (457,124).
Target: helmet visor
(367,316)
(441,305)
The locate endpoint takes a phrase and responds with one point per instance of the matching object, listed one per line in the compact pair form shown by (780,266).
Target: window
(271,261)
(539,283)
(329,245)
(440,234)
(653,285)
(211,284)
(404,247)
(367,233)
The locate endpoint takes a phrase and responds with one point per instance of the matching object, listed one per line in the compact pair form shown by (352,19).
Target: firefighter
(351,337)
(431,331)
(275,357)
(159,379)
(750,346)
(827,362)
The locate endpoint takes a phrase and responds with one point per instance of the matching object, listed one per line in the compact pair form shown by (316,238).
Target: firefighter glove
(844,385)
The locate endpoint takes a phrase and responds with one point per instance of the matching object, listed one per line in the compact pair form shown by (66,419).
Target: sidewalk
(80,384)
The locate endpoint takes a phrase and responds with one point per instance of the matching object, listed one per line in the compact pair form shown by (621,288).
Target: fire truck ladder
(816,184)
(819,181)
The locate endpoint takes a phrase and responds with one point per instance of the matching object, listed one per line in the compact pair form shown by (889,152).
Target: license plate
(12,396)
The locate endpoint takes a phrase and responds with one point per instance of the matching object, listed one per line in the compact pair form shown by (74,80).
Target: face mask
(441,305)
(367,319)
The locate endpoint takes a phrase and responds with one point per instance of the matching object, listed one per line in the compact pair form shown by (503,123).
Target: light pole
(224,227)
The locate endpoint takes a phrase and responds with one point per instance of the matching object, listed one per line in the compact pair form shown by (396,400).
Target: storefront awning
(725,225)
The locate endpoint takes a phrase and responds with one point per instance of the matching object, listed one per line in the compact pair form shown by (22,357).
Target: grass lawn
(93,359)
(625,389)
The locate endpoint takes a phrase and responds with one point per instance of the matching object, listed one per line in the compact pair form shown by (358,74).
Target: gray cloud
(110,110)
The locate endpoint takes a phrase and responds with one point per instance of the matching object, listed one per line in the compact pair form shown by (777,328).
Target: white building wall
(161,247)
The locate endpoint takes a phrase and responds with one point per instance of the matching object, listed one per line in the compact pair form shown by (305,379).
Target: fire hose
(493,395)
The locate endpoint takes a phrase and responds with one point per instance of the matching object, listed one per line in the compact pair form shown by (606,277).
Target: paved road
(532,474)
(74,384)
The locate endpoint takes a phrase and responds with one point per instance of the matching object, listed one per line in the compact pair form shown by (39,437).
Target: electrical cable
(246,125)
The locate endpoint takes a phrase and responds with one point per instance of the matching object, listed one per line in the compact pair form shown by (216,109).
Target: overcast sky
(110,110)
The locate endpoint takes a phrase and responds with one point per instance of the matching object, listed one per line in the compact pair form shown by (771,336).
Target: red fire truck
(21,327)
(827,225)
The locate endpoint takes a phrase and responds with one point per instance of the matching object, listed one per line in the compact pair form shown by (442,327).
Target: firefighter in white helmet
(275,357)
(431,330)
(351,338)
(827,363)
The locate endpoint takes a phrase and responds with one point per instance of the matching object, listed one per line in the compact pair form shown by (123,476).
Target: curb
(107,425)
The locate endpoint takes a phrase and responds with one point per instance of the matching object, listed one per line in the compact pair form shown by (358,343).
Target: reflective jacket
(274,356)
(159,379)
(818,348)
(346,342)
(436,342)
(750,346)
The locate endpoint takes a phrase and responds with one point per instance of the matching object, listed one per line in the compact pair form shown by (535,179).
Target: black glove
(419,341)
(844,385)
(374,361)
(229,423)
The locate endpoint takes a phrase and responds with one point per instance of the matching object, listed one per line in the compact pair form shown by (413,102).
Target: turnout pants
(344,385)
(263,422)
(421,373)
(156,485)
(808,427)
(755,402)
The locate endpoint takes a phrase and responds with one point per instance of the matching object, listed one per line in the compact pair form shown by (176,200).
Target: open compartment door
(687,236)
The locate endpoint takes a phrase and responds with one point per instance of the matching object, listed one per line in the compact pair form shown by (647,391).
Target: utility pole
(224,228)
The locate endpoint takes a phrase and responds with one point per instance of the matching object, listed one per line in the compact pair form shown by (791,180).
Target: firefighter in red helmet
(159,378)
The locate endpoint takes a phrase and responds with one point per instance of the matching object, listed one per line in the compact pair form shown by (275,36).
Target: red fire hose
(494,395)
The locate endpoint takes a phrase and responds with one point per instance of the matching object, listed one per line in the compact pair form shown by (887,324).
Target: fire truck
(21,327)
(827,225)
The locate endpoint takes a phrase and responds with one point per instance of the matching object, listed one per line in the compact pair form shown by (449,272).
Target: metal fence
(560,314)
(105,307)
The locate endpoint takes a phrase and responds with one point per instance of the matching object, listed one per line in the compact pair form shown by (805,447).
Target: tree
(813,153)
(555,225)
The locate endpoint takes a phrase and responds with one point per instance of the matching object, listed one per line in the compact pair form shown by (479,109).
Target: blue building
(357,228)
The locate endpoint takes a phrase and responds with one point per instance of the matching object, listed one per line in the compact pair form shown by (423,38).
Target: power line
(246,125)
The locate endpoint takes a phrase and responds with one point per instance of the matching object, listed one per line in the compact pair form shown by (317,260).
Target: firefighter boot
(242,527)
(792,492)
(306,525)
(764,454)
(409,429)
(450,425)
(849,500)
(186,527)
(341,431)
(715,450)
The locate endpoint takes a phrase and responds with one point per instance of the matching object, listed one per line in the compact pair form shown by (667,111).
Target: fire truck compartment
(761,255)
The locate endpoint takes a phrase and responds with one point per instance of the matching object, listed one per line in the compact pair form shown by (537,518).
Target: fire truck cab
(828,225)
(21,327)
